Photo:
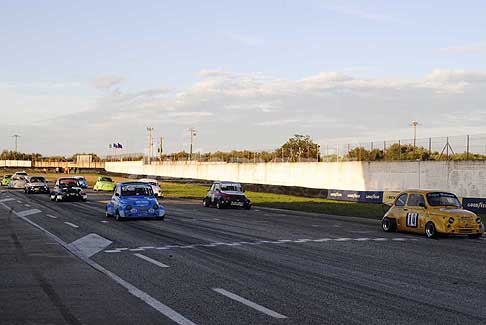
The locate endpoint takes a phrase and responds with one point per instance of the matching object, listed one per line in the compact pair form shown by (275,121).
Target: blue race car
(134,200)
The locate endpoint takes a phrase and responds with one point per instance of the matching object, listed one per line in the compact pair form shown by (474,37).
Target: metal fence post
(467,148)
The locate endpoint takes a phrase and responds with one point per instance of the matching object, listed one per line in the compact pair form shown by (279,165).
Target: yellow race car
(432,213)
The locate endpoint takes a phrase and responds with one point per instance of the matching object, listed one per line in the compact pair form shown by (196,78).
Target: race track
(209,266)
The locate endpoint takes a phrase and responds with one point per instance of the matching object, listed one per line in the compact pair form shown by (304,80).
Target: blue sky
(54,54)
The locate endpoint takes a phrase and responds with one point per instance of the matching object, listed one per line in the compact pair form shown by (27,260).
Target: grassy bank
(288,202)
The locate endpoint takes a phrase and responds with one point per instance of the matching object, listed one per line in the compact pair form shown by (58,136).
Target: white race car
(155,186)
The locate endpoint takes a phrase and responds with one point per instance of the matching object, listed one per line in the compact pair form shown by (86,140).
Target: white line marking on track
(18,201)
(6,200)
(27,205)
(71,224)
(249,303)
(151,260)
(259,242)
(26,213)
(104,221)
(145,297)
(51,216)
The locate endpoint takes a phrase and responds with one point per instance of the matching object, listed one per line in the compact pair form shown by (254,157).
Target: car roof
(61,178)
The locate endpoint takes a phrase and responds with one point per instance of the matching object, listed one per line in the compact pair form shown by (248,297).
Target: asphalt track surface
(209,266)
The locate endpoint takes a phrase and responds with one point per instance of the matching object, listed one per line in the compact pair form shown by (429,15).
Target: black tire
(219,205)
(117,216)
(51,198)
(205,203)
(247,206)
(475,236)
(388,225)
(430,231)
(57,199)
(107,215)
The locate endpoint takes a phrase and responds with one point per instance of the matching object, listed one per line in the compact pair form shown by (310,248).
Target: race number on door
(412,219)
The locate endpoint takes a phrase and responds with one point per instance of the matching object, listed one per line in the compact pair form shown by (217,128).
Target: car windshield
(106,179)
(136,190)
(37,180)
(21,174)
(68,182)
(443,199)
(231,187)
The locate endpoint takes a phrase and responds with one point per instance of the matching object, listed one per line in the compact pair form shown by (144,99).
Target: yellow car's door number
(412,219)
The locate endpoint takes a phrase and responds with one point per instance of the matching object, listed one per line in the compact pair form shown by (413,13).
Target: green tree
(298,147)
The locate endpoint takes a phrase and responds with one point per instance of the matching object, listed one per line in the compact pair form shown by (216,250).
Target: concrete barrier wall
(16,163)
(465,178)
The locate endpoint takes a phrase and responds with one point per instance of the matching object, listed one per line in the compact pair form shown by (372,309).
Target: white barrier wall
(16,163)
(465,178)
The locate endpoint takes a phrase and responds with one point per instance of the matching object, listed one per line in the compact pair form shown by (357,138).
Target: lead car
(432,213)
(134,200)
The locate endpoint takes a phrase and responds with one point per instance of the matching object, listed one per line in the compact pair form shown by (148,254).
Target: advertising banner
(476,205)
(356,196)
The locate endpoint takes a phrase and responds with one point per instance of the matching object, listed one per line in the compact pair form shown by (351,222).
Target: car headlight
(451,220)
(478,220)
(129,207)
(156,206)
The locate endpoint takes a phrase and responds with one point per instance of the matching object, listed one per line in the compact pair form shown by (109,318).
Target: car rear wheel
(430,231)
(388,225)
(247,206)
(117,216)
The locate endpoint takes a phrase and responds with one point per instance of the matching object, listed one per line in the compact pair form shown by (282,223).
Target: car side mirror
(218,190)
(117,194)
(422,205)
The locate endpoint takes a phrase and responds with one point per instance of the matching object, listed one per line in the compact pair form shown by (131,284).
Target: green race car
(6,180)
(104,184)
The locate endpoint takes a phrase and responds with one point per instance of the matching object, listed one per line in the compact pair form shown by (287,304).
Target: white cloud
(106,82)
(478,48)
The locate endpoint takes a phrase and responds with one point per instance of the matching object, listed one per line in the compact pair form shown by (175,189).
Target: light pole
(414,126)
(149,144)
(16,137)
(192,135)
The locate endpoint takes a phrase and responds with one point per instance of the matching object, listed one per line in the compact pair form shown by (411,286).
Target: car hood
(139,201)
(452,212)
(232,193)
(38,184)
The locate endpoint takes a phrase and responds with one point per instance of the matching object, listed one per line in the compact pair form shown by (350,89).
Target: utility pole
(150,144)
(414,126)
(192,135)
(161,148)
(16,137)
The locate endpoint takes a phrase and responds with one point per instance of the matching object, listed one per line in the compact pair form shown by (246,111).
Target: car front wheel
(206,203)
(219,205)
(118,216)
(388,225)
(430,231)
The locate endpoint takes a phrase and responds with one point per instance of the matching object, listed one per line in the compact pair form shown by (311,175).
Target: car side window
(416,200)
(217,187)
(401,200)
(211,188)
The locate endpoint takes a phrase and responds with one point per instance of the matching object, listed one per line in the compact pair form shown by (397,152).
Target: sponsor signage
(476,205)
(389,197)
(356,196)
